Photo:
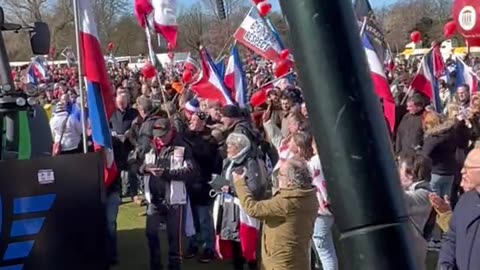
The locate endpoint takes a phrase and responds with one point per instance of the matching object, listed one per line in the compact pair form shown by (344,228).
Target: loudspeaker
(40,38)
(221,9)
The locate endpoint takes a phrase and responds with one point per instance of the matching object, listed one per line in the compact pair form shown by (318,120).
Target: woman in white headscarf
(241,157)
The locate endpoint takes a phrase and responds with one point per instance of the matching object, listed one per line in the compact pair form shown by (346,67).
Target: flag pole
(80,76)
(410,89)
(272,81)
(364,25)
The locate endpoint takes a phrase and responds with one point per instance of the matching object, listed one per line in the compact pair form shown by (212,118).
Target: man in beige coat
(288,217)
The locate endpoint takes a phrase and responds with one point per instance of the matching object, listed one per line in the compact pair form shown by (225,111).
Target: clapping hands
(440,205)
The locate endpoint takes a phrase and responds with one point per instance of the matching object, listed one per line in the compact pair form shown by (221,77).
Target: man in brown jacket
(288,217)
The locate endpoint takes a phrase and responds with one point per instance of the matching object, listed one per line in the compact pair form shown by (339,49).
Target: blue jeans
(203,220)
(323,241)
(441,184)
(130,183)
(112,204)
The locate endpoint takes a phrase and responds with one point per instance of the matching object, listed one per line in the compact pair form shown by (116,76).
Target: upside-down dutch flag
(464,75)
(380,83)
(235,78)
(32,75)
(99,94)
(162,14)
(210,84)
(36,71)
(220,65)
(190,64)
(426,79)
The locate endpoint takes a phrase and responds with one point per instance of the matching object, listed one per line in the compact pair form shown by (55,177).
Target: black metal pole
(351,135)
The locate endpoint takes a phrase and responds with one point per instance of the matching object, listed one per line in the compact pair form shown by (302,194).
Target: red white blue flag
(426,79)
(162,14)
(235,78)
(99,93)
(255,34)
(210,84)
(465,75)
(380,83)
(190,64)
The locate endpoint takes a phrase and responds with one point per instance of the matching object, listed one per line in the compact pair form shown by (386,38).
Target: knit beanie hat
(192,105)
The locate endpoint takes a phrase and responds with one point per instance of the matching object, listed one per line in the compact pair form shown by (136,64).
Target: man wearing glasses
(461,245)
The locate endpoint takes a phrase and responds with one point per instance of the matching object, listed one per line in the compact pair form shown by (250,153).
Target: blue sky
(275,3)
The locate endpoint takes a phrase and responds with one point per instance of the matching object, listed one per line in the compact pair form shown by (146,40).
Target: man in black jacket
(410,131)
(206,154)
(168,168)
(121,122)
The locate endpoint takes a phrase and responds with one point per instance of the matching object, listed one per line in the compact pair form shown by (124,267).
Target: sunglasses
(201,115)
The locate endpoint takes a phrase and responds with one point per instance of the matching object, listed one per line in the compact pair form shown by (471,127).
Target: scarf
(237,159)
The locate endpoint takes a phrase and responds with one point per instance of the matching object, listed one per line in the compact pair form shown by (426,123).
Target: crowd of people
(221,175)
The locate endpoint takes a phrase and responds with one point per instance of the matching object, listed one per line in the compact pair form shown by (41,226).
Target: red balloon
(148,71)
(284,54)
(449,29)
(281,67)
(187,76)
(415,37)
(256,2)
(110,46)
(264,8)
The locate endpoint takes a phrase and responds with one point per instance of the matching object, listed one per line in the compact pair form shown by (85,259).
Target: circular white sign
(467,18)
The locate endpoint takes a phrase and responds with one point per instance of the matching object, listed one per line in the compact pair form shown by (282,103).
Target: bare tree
(231,7)
(61,21)
(191,24)
(27,11)
(107,14)
(426,16)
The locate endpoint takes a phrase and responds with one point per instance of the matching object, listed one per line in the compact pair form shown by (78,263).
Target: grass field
(133,251)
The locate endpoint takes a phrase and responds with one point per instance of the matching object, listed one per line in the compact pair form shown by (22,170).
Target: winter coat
(440,145)
(409,133)
(159,185)
(418,209)
(254,171)
(288,221)
(121,122)
(461,244)
(206,155)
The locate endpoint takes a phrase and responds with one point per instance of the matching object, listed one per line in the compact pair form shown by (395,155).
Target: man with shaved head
(461,247)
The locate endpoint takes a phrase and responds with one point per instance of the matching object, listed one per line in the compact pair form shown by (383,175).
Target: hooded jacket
(440,145)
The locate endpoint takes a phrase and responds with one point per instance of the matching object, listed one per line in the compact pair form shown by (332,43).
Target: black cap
(231,111)
(161,127)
